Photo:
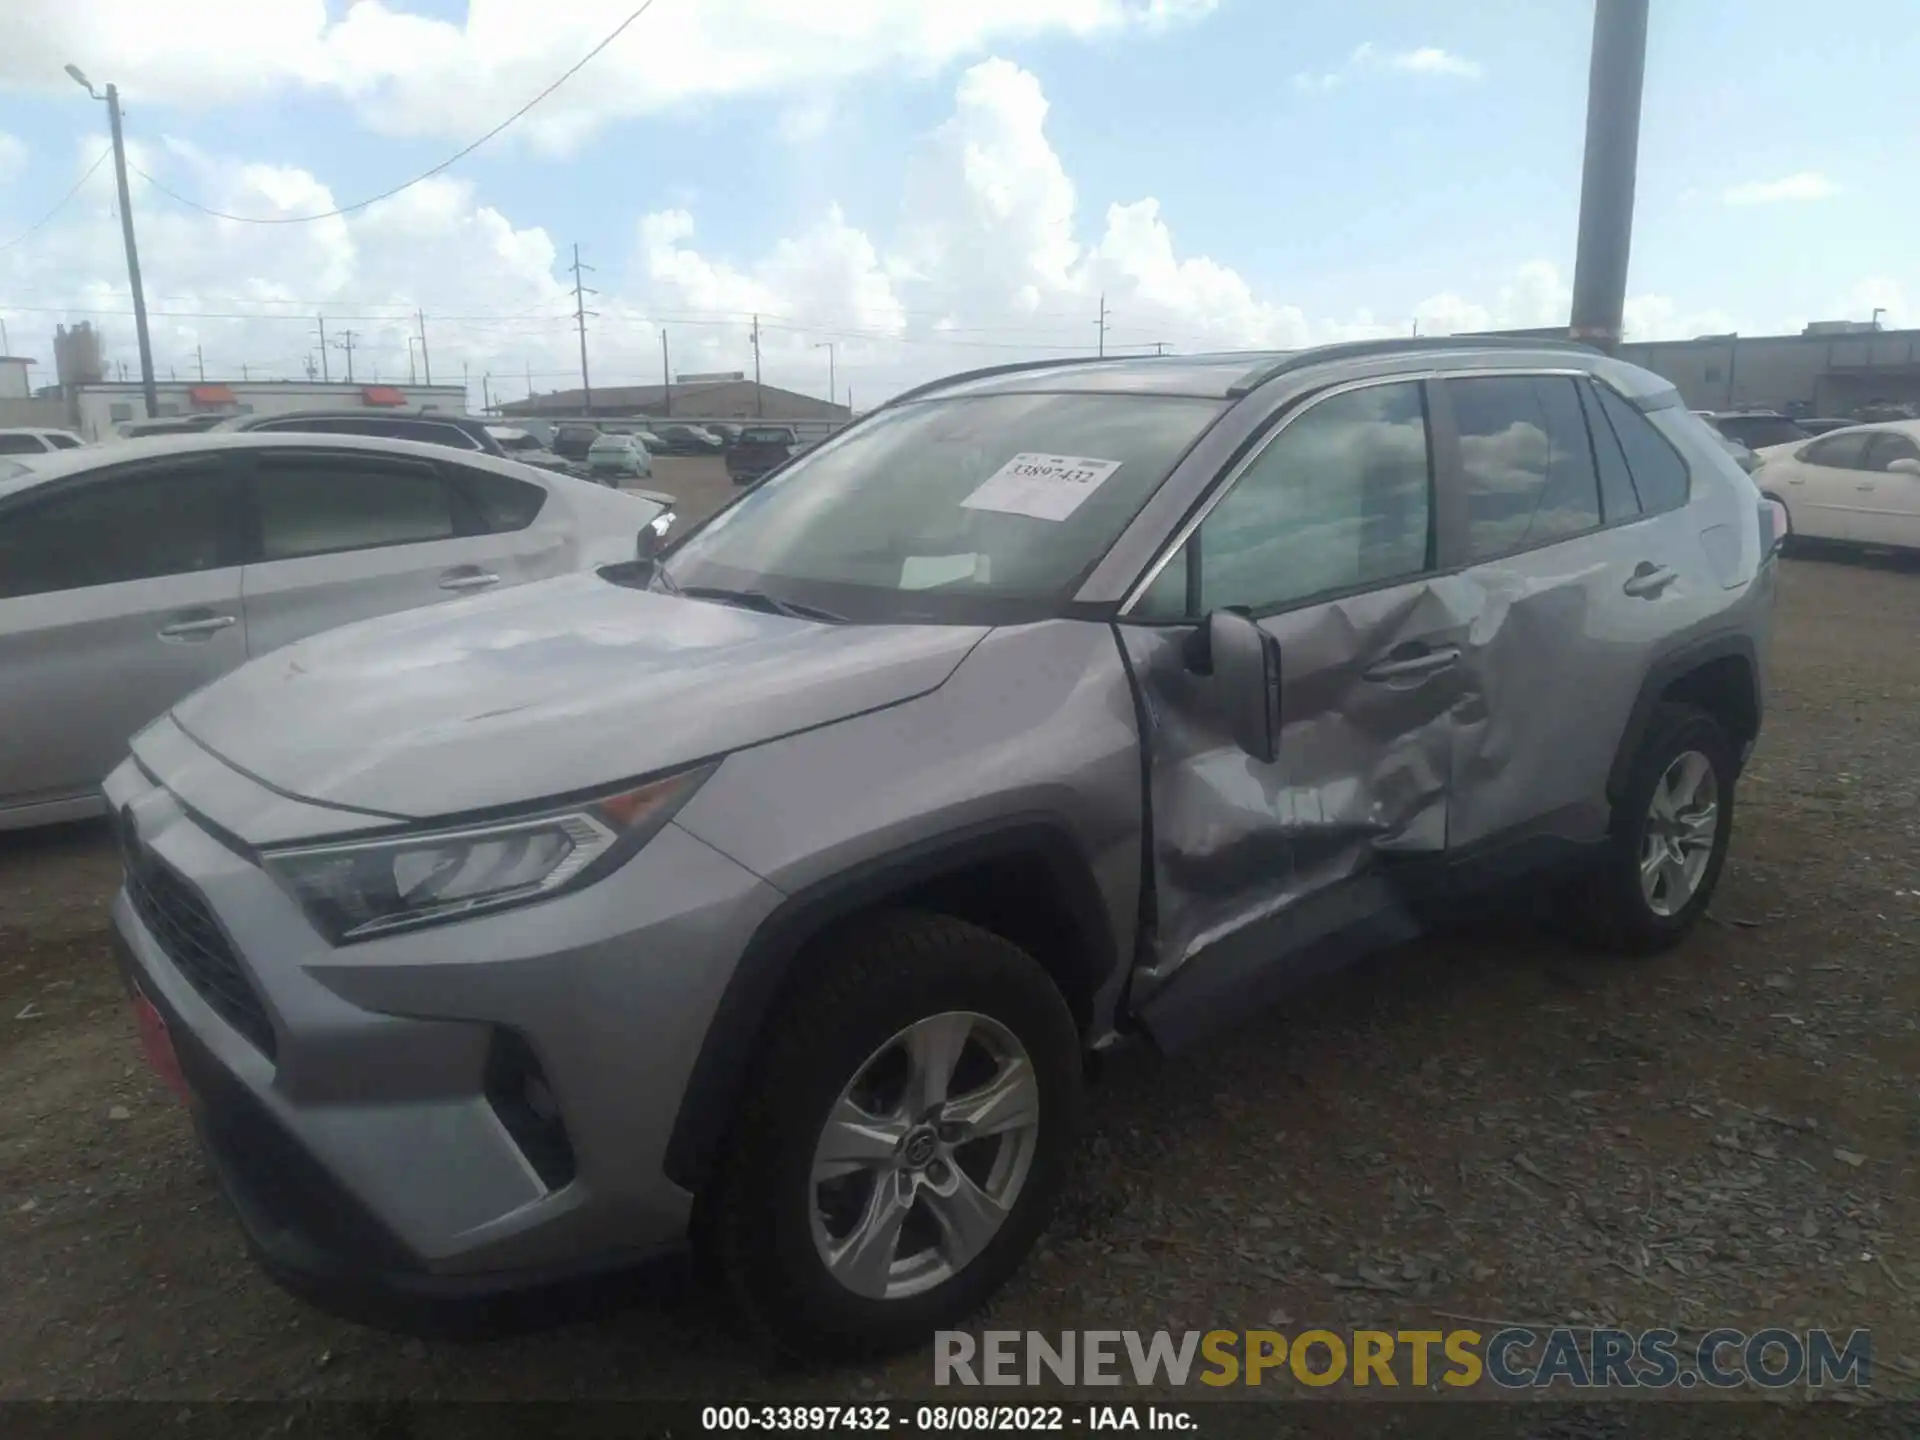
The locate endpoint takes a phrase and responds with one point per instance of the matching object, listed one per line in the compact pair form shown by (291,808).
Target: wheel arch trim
(746,1005)
(1661,675)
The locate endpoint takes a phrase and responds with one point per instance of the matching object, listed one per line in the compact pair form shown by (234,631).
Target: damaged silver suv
(768,891)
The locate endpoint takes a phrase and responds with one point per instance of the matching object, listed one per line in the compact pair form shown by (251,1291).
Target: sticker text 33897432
(1044,487)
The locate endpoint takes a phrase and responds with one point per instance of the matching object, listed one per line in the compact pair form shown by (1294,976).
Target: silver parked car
(616,456)
(132,573)
(770,890)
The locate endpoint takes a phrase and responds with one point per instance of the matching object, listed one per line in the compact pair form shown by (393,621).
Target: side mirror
(1903,466)
(1244,661)
(653,535)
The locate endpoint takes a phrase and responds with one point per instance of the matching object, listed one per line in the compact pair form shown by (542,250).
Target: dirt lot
(1485,1127)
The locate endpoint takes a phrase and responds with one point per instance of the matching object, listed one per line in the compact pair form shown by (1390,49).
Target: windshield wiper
(756,600)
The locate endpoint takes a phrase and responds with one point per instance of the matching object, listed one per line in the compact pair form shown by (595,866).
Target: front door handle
(1648,580)
(196,629)
(471,580)
(1411,662)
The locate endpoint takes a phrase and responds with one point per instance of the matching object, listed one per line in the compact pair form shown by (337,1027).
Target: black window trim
(1686,465)
(467,521)
(233,539)
(1186,535)
(1447,542)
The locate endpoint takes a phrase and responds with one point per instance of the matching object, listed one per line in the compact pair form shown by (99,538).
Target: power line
(28,233)
(447,163)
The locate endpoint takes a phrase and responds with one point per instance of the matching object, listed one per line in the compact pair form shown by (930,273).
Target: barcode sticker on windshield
(1045,487)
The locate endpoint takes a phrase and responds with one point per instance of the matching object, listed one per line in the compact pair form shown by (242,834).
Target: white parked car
(619,456)
(32,440)
(1860,485)
(133,572)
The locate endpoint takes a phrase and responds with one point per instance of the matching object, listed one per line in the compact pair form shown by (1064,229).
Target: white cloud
(13,156)
(1806,185)
(1369,57)
(411,74)
(993,258)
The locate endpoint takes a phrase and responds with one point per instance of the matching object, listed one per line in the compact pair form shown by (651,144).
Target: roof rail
(1361,349)
(1011,368)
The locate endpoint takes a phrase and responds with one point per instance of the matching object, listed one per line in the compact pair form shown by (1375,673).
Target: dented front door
(1326,536)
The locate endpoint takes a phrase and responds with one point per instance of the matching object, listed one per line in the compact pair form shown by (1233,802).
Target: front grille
(185,928)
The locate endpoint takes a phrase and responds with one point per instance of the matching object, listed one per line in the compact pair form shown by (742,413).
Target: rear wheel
(1656,874)
(901,1145)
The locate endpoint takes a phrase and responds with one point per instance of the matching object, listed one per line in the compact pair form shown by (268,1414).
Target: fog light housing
(521,1096)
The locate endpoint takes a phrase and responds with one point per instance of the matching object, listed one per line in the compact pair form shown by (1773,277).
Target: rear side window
(1618,500)
(63,442)
(1527,462)
(320,504)
(21,445)
(1841,452)
(501,503)
(1888,446)
(1659,474)
(166,519)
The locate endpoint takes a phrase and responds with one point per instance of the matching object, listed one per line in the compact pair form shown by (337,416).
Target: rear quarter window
(501,502)
(1660,475)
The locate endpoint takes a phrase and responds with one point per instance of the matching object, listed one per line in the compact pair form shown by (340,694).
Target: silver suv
(769,891)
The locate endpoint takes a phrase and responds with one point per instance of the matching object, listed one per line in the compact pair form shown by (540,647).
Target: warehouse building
(728,399)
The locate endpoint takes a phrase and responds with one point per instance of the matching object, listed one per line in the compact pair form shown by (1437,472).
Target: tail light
(1774,527)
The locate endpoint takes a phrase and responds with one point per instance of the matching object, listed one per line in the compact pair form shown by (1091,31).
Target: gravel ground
(1484,1126)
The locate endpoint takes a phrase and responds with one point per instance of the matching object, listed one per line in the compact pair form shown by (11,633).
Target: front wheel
(901,1145)
(1668,841)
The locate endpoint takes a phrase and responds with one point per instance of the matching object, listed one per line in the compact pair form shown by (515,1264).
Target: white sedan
(132,573)
(1860,485)
(37,440)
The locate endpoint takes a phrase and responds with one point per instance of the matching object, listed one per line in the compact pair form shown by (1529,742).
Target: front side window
(1526,461)
(312,504)
(169,518)
(1846,451)
(969,508)
(21,445)
(1340,499)
(63,442)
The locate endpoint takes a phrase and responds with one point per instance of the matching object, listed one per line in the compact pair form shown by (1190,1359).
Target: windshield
(1756,431)
(511,440)
(971,510)
(766,437)
(612,442)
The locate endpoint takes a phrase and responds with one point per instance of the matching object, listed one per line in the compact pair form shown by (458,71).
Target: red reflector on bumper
(158,1045)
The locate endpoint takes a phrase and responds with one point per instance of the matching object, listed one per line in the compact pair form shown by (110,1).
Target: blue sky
(1318,171)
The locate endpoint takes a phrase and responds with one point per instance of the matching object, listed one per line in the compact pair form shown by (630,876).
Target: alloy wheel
(924,1155)
(1683,819)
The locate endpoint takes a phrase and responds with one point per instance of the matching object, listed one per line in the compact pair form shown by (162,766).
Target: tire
(771,1220)
(1609,905)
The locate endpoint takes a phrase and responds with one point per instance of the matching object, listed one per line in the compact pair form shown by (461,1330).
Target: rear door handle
(1407,663)
(195,629)
(472,580)
(1648,580)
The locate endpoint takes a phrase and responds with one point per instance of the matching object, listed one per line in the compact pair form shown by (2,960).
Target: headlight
(364,888)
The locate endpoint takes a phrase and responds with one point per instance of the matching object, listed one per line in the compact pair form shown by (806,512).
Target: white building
(99,408)
(15,384)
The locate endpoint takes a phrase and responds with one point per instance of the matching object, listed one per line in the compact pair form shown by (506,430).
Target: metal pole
(666,375)
(759,405)
(325,377)
(580,293)
(426,360)
(1614,79)
(200,359)
(133,255)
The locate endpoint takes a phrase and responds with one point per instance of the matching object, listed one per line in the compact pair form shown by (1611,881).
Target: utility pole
(1159,347)
(580,313)
(200,360)
(529,365)
(112,97)
(325,378)
(486,393)
(244,376)
(827,345)
(1102,323)
(1614,78)
(759,404)
(410,360)
(666,375)
(426,360)
(345,342)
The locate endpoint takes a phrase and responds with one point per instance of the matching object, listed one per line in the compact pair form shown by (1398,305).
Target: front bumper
(349,1122)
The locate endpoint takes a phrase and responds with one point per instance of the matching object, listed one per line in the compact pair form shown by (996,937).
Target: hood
(546,689)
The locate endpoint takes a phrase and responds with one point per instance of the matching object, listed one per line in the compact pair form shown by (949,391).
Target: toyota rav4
(767,892)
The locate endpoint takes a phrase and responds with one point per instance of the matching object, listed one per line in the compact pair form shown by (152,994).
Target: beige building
(741,400)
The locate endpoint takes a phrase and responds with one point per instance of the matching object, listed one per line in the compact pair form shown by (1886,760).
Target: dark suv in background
(431,427)
(759,449)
